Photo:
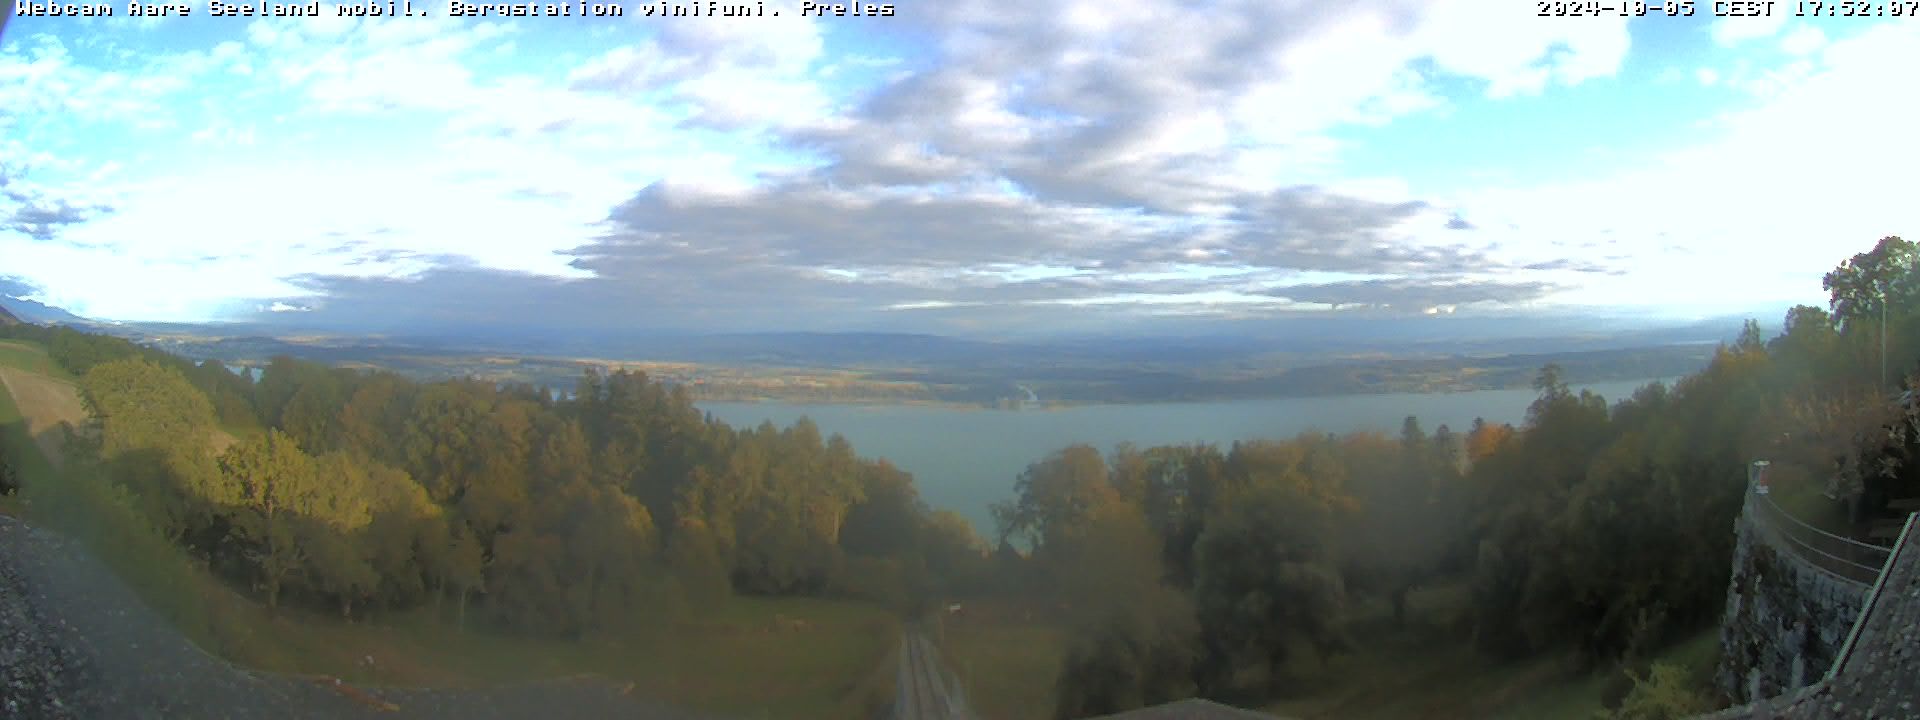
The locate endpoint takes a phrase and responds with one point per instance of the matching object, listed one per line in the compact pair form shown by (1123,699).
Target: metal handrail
(1802,523)
(1802,548)
(1842,568)
(1853,552)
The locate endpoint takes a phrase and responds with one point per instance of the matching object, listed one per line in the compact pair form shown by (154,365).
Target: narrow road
(926,690)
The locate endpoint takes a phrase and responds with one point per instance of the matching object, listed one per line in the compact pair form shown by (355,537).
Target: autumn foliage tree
(366,492)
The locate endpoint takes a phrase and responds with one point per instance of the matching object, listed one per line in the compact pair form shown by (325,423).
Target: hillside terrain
(45,400)
(80,644)
(89,570)
(881,371)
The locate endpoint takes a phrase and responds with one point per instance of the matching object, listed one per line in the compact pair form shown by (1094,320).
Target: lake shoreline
(1045,406)
(965,457)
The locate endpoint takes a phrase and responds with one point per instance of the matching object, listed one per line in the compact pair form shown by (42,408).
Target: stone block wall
(1785,619)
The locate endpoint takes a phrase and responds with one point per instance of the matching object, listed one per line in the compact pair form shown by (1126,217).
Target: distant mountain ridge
(1276,357)
(24,310)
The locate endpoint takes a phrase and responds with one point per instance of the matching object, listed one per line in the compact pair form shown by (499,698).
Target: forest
(1596,528)
(508,507)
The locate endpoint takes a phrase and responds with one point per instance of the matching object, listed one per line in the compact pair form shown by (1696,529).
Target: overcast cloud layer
(963,166)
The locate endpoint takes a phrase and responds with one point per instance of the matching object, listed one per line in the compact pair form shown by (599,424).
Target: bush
(1131,655)
(1666,693)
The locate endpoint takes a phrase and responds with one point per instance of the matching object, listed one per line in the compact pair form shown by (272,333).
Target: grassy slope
(1426,671)
(1009,665)
(741,659)
(790,657)
(1006,661)
(25,458)
(1420,674)
(31,358)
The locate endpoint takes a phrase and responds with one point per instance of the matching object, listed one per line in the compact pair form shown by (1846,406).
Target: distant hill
(21,310)
(7,318)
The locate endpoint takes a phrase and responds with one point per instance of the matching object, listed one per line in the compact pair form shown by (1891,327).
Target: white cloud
(144,288)
(932,305)
(1088,153)
(1779,196)
(1519,53)
(1729,31)
(733,73)
(1803,40)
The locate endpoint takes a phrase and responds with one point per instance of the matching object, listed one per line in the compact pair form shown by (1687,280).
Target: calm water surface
(965,459)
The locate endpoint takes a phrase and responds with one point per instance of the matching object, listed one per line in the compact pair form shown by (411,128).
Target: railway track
(923,692)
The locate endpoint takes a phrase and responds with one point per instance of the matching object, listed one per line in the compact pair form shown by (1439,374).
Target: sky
(962,166)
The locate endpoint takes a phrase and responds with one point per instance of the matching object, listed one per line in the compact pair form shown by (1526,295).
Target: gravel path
(75,642)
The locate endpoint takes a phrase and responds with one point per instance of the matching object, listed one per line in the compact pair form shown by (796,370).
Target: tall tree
(1055,496)
(155,436)
(1864,285)
(1135,639)
(274,477)
(1265,580)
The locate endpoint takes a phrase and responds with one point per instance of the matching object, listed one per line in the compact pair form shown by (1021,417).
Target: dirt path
(46,404)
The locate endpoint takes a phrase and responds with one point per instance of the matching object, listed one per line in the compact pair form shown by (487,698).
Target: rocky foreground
(75,642)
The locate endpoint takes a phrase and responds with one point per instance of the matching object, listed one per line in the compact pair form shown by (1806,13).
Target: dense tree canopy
(1594,526)
(362,492)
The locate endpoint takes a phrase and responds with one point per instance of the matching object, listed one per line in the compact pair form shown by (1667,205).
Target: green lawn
(749,657)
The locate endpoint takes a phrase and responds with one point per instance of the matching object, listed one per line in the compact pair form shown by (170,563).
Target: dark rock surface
(75,642)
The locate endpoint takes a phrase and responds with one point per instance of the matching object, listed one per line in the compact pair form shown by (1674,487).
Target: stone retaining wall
(1786,619)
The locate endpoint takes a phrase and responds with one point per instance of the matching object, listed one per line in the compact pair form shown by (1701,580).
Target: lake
(964,459)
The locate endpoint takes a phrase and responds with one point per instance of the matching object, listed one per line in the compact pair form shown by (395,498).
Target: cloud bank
(964,166)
